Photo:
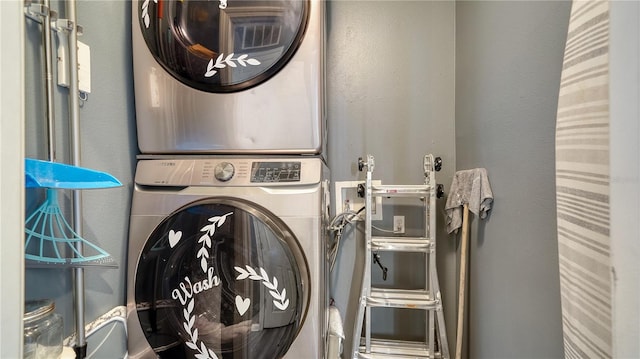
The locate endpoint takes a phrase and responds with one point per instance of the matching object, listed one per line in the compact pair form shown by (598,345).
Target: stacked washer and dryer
(227,254)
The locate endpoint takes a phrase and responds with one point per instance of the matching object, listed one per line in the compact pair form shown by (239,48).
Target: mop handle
(463,279)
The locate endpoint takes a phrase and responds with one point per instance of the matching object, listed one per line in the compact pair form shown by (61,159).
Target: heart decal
(242,304)
(174,237)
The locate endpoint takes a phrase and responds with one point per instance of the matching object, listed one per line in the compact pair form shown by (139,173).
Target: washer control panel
(229,171)
(262,172)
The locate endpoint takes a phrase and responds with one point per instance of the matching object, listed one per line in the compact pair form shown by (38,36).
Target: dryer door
(223,45)
(221,278)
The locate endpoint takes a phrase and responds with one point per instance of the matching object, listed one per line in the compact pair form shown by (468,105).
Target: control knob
(224,171)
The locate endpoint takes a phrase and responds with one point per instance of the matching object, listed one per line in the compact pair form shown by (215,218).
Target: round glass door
(223,45)
(221,278)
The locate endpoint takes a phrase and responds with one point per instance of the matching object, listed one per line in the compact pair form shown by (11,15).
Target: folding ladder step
(400,191)
(396,349)
(402,298)
(402,244)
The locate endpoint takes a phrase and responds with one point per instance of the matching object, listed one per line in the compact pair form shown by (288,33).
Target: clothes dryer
(229,76)
(227,258)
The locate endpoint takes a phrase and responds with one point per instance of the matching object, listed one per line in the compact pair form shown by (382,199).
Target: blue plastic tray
(59,175)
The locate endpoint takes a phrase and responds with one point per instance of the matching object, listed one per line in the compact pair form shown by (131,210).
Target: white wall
(625,175)
(11,179)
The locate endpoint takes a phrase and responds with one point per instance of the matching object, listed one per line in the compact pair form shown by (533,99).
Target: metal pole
(50,111)
(74,114)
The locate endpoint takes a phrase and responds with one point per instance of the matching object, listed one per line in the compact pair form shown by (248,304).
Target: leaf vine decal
(145,12)
(189,320)
(279,298)
(205,239)
(222,62)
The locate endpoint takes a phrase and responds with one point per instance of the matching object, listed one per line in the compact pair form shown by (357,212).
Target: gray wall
(390,86)
(625,175)
(508,64)
(107,144)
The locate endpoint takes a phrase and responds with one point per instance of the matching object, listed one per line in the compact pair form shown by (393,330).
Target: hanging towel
(472,187)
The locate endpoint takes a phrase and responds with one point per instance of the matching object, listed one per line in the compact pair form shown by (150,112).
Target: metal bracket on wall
(36,11)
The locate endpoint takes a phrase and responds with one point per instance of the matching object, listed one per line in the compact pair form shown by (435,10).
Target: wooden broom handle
(463,279)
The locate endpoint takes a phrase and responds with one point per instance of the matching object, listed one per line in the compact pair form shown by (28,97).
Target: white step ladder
(426,300)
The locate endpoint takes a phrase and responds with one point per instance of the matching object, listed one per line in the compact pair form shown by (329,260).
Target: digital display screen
(262,172)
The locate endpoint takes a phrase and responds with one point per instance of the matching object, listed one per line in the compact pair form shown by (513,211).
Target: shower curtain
(582,184)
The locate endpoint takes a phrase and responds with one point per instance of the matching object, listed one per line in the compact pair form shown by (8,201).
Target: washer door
(221,278)
(223,45)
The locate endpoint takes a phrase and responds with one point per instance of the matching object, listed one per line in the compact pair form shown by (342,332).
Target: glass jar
(42,330)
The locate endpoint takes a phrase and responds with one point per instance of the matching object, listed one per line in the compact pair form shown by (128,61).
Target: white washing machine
(227,258)
(229,76)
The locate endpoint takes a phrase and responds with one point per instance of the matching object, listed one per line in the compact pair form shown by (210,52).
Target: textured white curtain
(582,183)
